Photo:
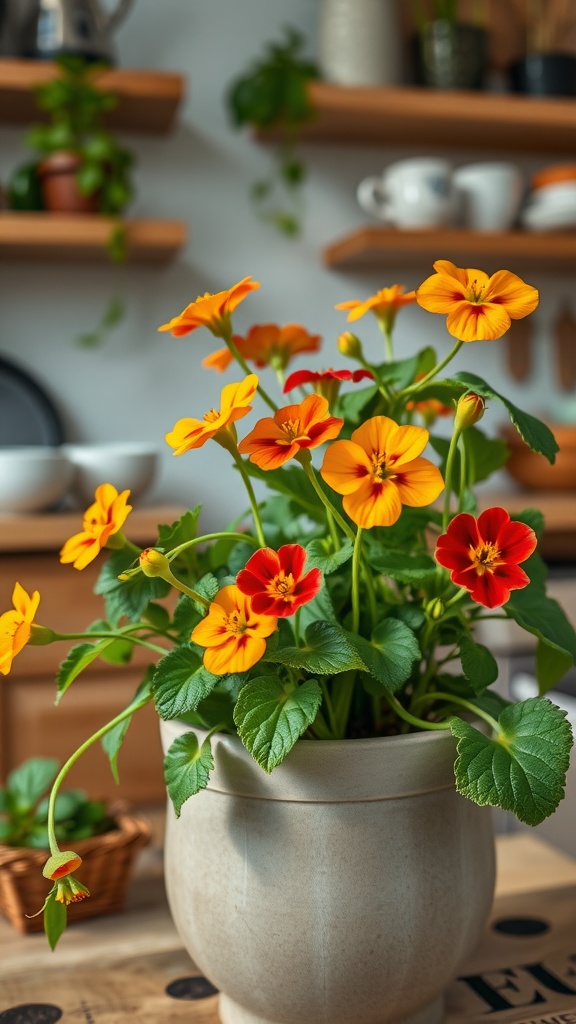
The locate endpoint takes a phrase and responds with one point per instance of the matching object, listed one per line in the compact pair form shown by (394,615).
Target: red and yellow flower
(483,554)
(477,307)
(384,304)
(233,634)
(211,311)
(105,517)
(379,469)
(275,581)
(235,402)
(16,626)
(276,439)
(267,345)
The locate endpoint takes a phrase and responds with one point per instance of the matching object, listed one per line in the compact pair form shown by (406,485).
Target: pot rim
(331,771)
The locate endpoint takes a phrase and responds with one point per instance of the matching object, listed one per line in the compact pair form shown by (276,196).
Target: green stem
(418,385)
(418,722)
(329,708)
(223,535)
(251,497)
(306,464)
(242,362)
(126,713)
(118,636)
(462,703)
(355,581)
(448,479)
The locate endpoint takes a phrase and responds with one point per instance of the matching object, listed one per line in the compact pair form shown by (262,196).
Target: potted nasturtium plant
(333,729)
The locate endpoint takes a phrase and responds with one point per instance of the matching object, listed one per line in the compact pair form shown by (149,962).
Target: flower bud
(469,410)
(61,864)
(349,345)
(70,890)
(154,563)
(435,608)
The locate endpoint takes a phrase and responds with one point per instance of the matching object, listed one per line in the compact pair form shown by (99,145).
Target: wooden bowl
(533,471)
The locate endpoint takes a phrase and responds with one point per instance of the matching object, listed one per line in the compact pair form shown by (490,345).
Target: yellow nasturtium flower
(16,626)
(211,311)
(379,469)
(477,307)
(232,633)
(384,304)
(234,404)
(105,517)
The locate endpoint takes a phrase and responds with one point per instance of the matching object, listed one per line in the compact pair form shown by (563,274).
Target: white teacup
(490,195)
(413,193)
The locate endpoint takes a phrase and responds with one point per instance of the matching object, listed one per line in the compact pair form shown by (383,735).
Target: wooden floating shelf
(148,100)
(418,117)
(37,236)
(390,247)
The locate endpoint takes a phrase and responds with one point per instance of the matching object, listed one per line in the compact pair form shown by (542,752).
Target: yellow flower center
(236,623)
(485,557)
(475,292)
(211,416)
(281,584)
(379,467)
(292,430)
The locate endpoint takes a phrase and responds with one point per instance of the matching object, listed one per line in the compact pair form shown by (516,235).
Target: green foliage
(76,108)
(187,768)
(272,93)
(271,716)
(24,808)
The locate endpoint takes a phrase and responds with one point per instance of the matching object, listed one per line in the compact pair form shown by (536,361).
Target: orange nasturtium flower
(483,554)
(266,345)
(105,517)
(276,439)
(211,311)
(16,626)
(384,304)
(232,633)
(378,470)
(276,581)
(477,307)
(235,401)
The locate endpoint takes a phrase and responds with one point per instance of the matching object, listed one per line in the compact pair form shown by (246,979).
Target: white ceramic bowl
(128,465)
(33,478)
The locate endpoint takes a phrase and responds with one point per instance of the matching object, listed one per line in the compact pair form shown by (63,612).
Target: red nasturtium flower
(326,382)
(378,470)
(477,307)
(275,440)
(232,633)
(105,517)
(384,304)
(235,401)
(275,580)
(483,554)
(16,626)
(267,345)
(211,311)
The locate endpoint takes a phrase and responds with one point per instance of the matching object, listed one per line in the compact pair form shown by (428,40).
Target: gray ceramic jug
(76,27)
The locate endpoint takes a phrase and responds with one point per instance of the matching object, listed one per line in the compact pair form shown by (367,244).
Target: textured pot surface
(346,887)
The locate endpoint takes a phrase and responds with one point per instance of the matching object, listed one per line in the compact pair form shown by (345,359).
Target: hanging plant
(272,93)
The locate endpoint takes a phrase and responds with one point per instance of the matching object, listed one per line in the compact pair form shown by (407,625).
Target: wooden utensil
(519,349)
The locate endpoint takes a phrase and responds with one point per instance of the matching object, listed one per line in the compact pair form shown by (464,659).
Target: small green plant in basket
(345,604)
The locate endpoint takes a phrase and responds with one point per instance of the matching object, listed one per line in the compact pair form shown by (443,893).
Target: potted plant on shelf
(548,66)
(104,836)
(450,52)
(325,706)
(272,94)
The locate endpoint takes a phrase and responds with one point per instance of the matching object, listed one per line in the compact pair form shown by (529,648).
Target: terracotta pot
(533,471)
(57,174)
(346,887)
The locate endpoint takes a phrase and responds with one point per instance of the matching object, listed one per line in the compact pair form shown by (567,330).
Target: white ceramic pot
(347,887)
(360,42)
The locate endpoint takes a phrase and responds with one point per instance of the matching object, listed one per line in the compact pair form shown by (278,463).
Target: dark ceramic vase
(449,56)
(544,74)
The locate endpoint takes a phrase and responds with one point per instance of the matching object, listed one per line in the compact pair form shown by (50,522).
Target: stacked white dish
(551,208)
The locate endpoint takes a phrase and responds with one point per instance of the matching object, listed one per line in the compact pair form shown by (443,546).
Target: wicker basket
(105,870)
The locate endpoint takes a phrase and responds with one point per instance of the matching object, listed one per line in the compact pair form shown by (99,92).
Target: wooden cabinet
(147,102)
(418,118)
(30,723)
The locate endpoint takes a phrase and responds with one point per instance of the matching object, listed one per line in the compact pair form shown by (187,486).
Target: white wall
(140,382)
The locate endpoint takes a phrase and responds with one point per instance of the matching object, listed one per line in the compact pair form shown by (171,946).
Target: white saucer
(542,216)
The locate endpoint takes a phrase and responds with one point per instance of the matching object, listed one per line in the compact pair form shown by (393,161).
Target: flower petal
(373,504)
(419,483)
(519,298)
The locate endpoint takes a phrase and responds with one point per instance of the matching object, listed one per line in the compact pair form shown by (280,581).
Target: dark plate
(27,415)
